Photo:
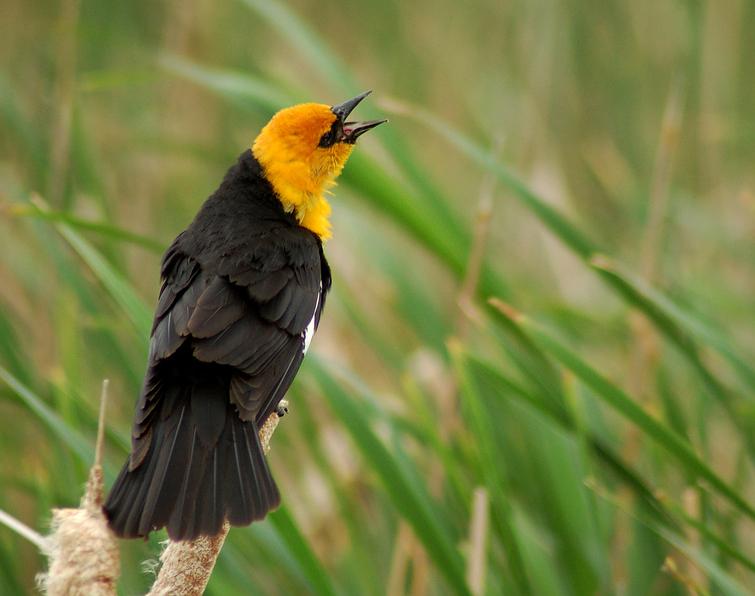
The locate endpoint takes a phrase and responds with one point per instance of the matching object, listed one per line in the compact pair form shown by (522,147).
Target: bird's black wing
(229,335)
(252,312)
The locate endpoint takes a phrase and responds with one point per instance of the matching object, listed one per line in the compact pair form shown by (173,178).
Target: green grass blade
(599,448)
(19,129)
(9,568)
(10,352)
(680,323)
(297,544)
(724,580)
(556,222)
(725,546)
(102,228)
(307,42)
(663,512)
(579,243)
(389,196)
(741,414)
(492,464)
(534,365)
(541,565)
(117,286)
(622,403)
(243,90)
(49,417)
(414,507)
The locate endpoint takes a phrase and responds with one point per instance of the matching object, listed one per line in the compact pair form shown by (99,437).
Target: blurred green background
(588,163)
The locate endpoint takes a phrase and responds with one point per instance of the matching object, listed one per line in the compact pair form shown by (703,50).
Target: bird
(242,291)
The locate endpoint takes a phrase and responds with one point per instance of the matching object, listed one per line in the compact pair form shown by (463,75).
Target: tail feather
(261,474)
(251,491)
(205,465)
(210,502)
(183,514)
(173,458)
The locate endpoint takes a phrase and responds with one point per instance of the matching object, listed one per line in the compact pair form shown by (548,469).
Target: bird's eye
(331,136)
(327,139)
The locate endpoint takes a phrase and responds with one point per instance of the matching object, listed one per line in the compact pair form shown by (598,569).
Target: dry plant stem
(186,566)
(421,573)
(645,348)
(22,529)
(692,588)
(65,82)
(692,506)
(659,193)
(448,403)
(484,214)
(84,558)
(478,538)
(406,546)
(645,344)
(400,559)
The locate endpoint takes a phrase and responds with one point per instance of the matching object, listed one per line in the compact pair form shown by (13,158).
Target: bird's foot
(282,408)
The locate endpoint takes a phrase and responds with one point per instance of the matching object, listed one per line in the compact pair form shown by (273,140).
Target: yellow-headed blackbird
(242,291)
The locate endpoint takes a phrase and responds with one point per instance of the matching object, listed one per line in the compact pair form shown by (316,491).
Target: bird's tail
(204,466)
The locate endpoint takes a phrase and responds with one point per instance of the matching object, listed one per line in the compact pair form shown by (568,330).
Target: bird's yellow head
(302,150)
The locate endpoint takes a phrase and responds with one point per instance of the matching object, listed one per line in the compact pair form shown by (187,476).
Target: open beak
(351,131)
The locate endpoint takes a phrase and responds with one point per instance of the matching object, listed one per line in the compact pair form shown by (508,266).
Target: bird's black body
(242,292)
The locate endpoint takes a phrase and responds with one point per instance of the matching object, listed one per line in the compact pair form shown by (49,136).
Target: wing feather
(248,313)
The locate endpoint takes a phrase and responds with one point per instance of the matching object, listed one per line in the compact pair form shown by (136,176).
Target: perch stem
(186,566)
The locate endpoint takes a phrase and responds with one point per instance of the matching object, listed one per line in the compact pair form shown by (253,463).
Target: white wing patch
(310,330)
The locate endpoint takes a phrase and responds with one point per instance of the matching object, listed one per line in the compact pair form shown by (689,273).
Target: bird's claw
(282,408)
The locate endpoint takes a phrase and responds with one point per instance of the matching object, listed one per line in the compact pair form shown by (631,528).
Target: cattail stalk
(83,551)
(84,558)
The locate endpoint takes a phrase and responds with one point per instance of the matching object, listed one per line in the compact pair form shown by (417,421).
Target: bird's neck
(300,186)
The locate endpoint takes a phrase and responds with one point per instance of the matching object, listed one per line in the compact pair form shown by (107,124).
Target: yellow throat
(300,170)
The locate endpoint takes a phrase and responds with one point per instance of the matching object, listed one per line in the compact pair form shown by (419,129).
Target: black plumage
(240,287)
